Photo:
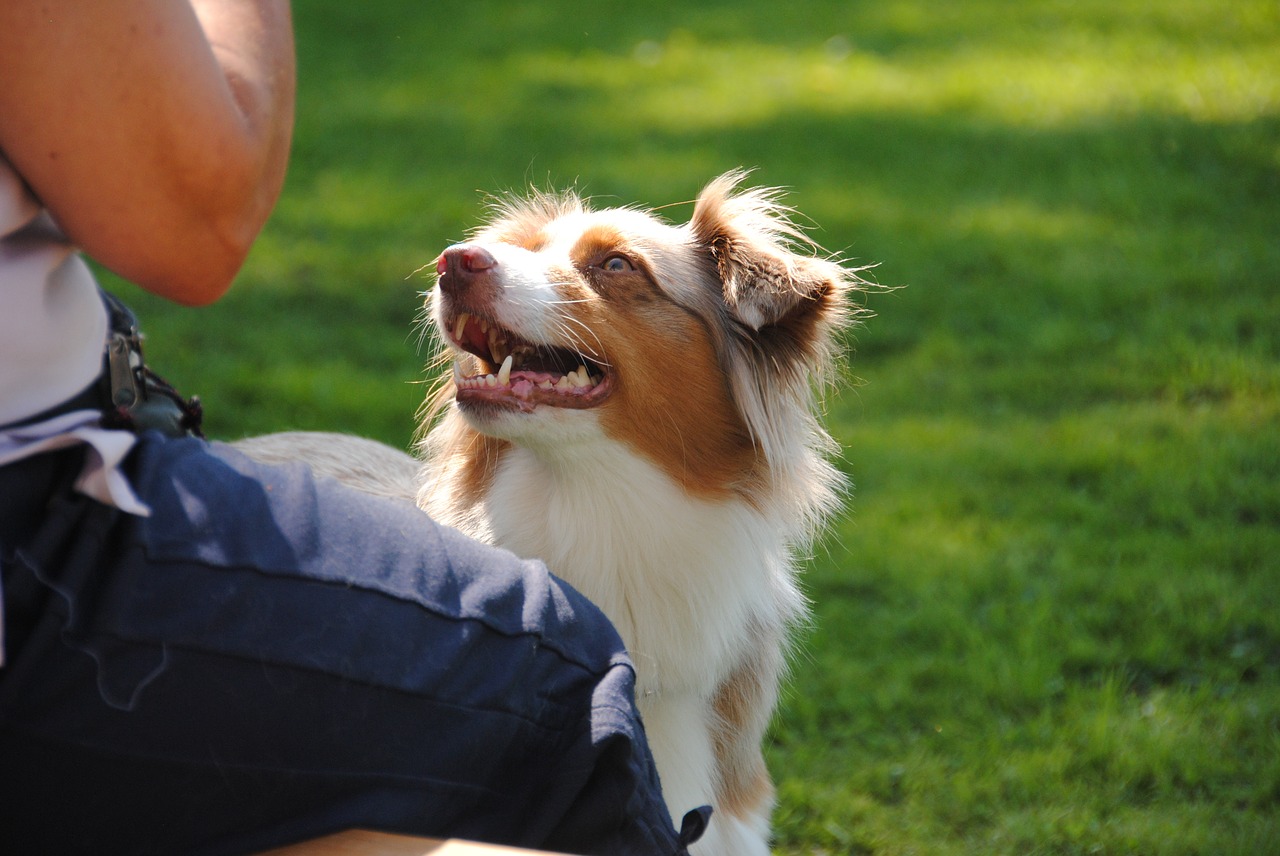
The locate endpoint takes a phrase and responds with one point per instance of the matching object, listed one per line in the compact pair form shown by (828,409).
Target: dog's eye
(617,264)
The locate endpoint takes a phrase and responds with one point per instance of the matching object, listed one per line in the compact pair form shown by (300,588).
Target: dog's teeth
(546,384)
(460,326)
(490,380)
(504,373)
(495,345)
(457,373)
(564,383)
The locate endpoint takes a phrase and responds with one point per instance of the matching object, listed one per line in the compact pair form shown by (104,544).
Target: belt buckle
(121,351)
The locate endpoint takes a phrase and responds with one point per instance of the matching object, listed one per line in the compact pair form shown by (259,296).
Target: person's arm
(155,131)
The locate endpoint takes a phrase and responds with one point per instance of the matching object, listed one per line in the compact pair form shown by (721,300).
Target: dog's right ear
(751,238)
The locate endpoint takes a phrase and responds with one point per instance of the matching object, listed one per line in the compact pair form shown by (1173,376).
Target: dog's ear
(787,305)
(754,243)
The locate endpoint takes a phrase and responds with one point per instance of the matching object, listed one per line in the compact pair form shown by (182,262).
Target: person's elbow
(226,208)
(194,243)
(200,263)
(194,268)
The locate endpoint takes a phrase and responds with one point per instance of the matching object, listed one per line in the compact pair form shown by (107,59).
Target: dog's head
(698,346)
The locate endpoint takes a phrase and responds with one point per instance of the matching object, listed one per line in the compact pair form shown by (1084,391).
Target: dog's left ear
(752,239)
(788,305)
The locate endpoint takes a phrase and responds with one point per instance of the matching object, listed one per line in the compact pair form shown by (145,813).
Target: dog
(636,404)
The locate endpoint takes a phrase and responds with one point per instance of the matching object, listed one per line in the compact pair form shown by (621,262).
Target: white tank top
(53,329)
(52,323)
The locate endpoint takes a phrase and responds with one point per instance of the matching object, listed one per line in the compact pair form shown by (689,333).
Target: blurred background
(1050,620)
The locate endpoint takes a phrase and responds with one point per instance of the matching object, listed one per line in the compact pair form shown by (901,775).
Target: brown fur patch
(742,705)
(466,459)
(672,403)
(596,243)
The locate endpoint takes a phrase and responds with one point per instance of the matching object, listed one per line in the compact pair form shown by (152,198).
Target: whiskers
(578,344)
(424,323)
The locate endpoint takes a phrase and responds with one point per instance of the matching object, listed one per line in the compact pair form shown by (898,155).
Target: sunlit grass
(1062,76)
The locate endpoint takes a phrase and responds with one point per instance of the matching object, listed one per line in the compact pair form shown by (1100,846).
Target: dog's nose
(459,265)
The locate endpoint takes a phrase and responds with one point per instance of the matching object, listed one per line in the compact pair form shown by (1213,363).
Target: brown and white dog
(635,403)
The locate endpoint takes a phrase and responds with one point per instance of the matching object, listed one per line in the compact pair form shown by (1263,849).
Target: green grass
(1050,622)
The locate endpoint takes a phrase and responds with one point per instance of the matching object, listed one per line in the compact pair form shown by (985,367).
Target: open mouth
(513,371)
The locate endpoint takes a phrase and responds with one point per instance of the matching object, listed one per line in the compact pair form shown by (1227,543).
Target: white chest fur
(683,579)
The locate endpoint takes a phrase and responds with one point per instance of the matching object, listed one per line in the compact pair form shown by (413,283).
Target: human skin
(156,132)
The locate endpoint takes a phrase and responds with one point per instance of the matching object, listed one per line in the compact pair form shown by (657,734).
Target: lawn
(1050,621)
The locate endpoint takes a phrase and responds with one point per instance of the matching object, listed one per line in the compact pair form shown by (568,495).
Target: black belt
(129,395)
(90,398)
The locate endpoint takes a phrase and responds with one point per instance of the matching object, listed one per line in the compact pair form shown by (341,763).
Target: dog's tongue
(528,389)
